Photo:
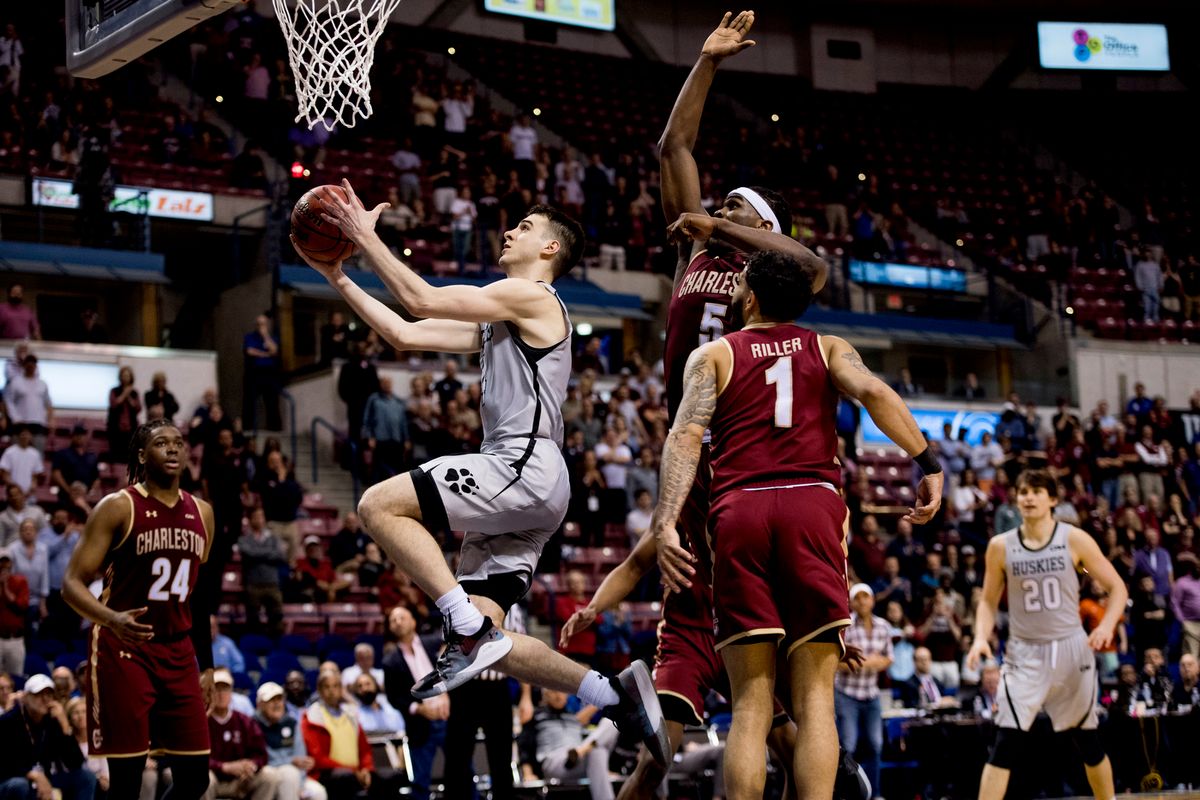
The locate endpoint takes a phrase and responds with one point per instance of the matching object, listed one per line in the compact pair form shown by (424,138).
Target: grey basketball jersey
(523,386)
(1043,588)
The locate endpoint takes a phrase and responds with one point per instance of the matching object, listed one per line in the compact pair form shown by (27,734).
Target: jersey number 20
(161,569)
(1043,594)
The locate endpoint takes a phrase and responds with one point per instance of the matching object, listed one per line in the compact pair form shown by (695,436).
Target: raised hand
(692,226)
(730,36)
(351,217)
(329,269)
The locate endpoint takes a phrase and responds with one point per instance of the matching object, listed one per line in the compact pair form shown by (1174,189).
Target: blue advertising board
(931,420)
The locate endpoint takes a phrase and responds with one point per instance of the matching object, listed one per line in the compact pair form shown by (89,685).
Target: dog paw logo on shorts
(461,482)
(1085,46)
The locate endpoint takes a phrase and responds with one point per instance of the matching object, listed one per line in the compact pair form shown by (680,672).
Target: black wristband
(927,462)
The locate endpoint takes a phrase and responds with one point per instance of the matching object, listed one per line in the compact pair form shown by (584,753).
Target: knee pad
(189,777)
(1089,745)
(1008,748)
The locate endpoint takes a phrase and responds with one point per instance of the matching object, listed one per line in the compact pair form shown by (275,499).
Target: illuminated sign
(165,203)
(908,276)
(931,420)
(1103,45)
(599,14)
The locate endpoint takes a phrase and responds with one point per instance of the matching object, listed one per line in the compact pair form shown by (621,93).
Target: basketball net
(331,47)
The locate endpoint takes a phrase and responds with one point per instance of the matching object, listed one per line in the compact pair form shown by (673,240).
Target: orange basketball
(318,239)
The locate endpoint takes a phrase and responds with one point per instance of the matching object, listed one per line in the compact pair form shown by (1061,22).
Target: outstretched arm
(615,587)
(851,377)
(512,300)
(701,227)
(681,455)
(680,178)
(441,335)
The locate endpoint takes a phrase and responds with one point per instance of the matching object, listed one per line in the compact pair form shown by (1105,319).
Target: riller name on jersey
(776,349)
(708,282)
(170,539)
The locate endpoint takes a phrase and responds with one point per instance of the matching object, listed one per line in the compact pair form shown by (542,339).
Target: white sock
(465,618)
(595,690)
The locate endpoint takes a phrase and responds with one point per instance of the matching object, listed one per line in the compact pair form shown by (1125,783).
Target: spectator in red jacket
(318,583)
(581,646)
(238,761)
(14,608)
(337,744)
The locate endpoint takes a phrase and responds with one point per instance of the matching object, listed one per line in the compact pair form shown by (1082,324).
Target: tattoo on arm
(681,454)
(856,361)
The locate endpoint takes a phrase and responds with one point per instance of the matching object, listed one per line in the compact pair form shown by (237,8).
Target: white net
(331,47)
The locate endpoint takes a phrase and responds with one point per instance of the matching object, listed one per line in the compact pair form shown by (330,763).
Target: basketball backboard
(103,35)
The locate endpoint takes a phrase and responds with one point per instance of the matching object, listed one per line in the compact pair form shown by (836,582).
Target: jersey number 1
(780,375)
(161,569)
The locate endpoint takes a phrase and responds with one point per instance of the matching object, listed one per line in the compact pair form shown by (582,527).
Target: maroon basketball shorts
(779,566)
(144,698)
(686,664)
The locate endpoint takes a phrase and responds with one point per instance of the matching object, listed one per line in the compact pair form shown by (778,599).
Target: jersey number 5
(1043,594)
(712,325)
(161,569)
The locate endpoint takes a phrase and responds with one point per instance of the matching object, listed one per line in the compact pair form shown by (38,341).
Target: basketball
(319,239)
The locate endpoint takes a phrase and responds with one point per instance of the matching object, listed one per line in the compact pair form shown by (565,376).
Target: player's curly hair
(780,285)
(1038,479)
(141,437)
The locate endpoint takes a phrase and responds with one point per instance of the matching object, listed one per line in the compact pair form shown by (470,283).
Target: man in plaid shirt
(857,698)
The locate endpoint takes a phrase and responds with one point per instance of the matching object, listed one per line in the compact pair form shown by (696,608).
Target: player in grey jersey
(510,497)
(1048,662)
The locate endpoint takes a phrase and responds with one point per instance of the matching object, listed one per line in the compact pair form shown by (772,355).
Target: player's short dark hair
(569,234)
(783,211)
(141,437)
(1038,479)
(780,284)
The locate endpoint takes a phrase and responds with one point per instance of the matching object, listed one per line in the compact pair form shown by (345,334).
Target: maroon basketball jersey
(156,563)
(696,314)
(774,422)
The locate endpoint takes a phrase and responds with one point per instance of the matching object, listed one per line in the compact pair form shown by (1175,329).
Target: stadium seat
(298,645)
(331,642)
(255,644)
(282,661)
(36,665)
(343,658)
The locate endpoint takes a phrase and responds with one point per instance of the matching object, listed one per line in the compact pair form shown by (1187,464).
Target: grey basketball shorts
(1059,676)
(508,503)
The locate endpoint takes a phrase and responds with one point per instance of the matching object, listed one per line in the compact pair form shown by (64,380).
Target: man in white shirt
(462,222)
(524,140)
(364,661)
(22,462)
(28,397)
(614,457)
(637,521)
(11,51)
(456,110)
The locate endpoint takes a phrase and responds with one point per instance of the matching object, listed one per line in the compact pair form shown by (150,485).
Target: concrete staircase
(333,483)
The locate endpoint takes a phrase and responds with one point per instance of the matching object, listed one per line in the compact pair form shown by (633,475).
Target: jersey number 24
(161,569)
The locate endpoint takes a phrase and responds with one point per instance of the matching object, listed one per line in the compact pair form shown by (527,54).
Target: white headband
(758,204)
